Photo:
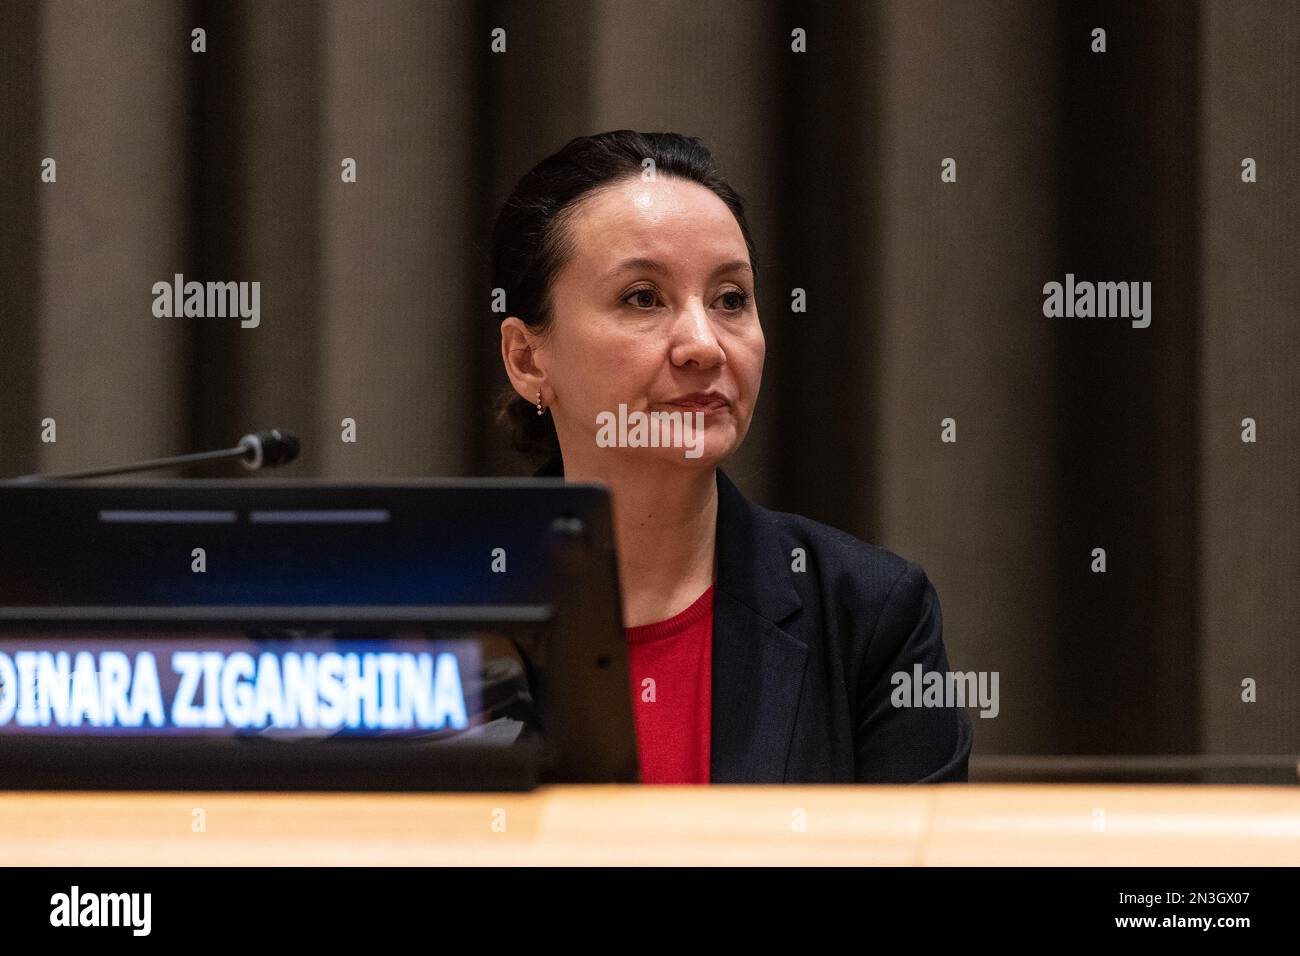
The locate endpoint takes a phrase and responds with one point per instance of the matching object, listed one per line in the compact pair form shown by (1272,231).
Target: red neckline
(678,622)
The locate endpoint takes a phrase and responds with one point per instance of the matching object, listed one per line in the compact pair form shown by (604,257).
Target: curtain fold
(923,298)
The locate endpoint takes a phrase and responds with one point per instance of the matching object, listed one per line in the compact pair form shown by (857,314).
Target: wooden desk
(937,825)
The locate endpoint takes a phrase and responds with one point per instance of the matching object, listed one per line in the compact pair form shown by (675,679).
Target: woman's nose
(695,338)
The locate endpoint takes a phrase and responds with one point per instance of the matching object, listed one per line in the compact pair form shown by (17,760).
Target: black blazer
(802,659)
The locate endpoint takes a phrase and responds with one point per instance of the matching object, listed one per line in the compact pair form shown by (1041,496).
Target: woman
(763,646)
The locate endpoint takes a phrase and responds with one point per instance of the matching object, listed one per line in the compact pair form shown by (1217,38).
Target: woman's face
(654,310)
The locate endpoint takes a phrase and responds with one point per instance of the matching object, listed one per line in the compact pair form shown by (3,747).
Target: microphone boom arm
(266,449)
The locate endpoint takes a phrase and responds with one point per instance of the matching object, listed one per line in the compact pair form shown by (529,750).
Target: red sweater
(672,692)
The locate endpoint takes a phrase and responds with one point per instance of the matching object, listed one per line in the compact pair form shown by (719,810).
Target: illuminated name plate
(404,683)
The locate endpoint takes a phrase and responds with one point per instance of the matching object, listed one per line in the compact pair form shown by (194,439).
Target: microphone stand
(262,449)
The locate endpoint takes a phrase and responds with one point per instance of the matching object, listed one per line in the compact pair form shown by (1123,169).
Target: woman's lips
(710,402)
(708,411)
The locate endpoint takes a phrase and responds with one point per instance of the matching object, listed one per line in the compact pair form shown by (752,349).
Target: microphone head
(270,448)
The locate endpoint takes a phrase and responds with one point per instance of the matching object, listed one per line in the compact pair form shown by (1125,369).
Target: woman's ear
(518,353)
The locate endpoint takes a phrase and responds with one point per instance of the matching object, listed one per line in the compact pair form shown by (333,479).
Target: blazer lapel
(758,668)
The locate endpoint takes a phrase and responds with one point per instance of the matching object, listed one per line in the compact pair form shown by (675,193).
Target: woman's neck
(665,525)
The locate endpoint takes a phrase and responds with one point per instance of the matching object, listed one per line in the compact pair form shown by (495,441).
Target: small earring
(540,407)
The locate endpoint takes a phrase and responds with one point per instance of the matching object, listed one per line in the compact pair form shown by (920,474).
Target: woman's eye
(642,298)
(733,301)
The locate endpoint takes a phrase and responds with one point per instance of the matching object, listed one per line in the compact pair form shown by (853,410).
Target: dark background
(924,298)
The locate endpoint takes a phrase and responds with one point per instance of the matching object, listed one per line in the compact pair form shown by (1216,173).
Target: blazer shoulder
(853,567)
(778,561)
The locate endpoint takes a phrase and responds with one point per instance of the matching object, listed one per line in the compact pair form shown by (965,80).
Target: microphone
(269,449)
(265,449)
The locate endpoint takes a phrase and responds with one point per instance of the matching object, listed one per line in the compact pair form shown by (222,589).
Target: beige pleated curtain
(924,298)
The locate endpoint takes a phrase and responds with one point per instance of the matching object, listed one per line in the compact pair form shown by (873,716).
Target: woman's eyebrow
(654,265)
(733,265)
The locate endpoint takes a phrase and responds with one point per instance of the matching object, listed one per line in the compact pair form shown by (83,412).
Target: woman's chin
(700,455)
